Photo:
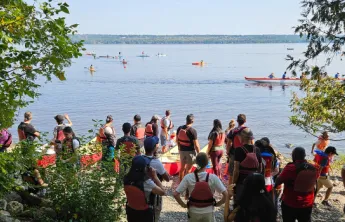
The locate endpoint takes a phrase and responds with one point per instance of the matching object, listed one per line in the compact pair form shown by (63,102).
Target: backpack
(183,138)
(140,133)
(59,133)
(5,139)
(250,161)
(235,138)
(135,193)
(306,177)
(202,195)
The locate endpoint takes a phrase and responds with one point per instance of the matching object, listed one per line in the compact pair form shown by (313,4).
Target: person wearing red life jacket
(216,145)
(323,161)
(321,143)
(166,125)
(233,142)
(58,130)
(129,144)
(151,128)
(188,145)
(5,140)
(201,186)
(299,179)
(107,137)
(247,161)
(255,204)
(141,184)
(151,144)
(138,130)
(26,131)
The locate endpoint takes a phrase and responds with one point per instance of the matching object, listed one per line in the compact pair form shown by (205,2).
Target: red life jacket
(202,195)
(306,177)
(129,148)
(318,160)
(268,170)
(101,137)
(140,133)
(171,125)
(136,198)
(236,142)
(59,133)
(21,134)
(183,138)
(250,162)
(149,129)
(219,141)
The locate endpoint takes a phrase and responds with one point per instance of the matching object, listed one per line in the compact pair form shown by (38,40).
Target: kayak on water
(279,80)
(198,63)
(143,56)
(92,70)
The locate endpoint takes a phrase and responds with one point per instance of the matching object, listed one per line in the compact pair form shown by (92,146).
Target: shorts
(231,164)
(163,140)
(207,217)
(187,157)
(324,181)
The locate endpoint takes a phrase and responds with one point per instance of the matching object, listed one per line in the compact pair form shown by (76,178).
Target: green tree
(34,44)
(323,105)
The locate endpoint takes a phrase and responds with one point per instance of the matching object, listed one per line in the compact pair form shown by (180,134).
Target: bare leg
(328,193)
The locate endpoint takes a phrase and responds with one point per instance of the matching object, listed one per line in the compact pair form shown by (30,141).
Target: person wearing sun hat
(151,144)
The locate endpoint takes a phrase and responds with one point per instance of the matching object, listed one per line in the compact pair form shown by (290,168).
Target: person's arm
(182,187)
(228,145)
(132,131)
(37,134)
(177,197)
(159,189)
(197,146)
(222,201)
(312,148)
(284,176)
(68,119)
(236,172)
(227,201)
(343,175)
(209,147)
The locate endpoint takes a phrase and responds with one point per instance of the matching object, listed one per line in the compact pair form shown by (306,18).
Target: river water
(149,86)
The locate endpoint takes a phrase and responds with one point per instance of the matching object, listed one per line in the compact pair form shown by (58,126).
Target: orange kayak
(198,64)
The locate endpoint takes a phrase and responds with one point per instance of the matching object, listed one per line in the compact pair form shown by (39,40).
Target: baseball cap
(331,149)
(59,118)
(150,143)
(139,163)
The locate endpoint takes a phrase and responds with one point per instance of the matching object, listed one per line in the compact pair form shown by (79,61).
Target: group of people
(303,75)
(257,181)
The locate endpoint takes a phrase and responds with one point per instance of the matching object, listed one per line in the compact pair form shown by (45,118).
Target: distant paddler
(124,61)
(337,76)
(271,76)
(92,69)
(284,75)
(202,62)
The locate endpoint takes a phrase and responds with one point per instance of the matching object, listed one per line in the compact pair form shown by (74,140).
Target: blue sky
(184,16)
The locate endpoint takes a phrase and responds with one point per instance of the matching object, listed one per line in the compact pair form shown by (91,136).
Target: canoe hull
(274,80)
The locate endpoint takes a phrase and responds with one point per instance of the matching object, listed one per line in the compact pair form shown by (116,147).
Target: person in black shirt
(187,141)
(26,130)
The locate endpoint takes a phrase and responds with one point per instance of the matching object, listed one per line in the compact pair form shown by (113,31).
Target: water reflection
(267,85)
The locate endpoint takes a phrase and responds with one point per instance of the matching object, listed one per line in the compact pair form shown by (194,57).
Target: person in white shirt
(151,144)
(166,125)
(195,212)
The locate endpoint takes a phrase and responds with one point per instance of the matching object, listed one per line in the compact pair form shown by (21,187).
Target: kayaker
(143,53)
(337,76)
(151,145)
(91,68)
(271,76)
(201,186)
(188,145)
(151,128)
(26,130)
(166,125)
(215,147)
(58,130)
(299,179)
(202,62)
(284,75)
(138,130)
(124,61)
(139,185)
(323,160)
(321,143)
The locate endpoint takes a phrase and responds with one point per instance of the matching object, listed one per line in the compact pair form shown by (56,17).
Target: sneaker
(326,203)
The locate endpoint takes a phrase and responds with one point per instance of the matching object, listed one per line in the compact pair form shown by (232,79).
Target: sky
(163,17)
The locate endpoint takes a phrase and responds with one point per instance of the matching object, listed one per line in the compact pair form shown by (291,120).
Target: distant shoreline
(188,39)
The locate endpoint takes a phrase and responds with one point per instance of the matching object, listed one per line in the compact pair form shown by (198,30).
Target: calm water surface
(149,86)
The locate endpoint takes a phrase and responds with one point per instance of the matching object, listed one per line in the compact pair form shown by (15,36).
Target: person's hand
(231,189)
(184,205)
(66,116)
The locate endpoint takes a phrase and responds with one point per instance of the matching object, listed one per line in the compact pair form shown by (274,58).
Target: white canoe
(274,80)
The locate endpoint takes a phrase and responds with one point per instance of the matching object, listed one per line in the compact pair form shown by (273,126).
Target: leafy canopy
(34,43)
(323,106)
